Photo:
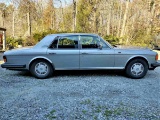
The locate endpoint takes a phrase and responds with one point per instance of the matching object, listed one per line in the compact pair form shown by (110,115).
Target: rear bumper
(12,66)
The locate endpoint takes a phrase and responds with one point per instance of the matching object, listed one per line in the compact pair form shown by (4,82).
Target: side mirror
(100,46)
(114,45)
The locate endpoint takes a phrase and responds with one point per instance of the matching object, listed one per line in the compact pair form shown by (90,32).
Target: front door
(93,57)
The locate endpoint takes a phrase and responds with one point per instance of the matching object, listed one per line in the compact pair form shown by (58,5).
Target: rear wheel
(137,68)
(41,69)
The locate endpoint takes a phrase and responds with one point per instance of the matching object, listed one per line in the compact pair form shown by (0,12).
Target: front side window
(91,42)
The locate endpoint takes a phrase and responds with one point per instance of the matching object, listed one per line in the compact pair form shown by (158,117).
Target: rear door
(64,52)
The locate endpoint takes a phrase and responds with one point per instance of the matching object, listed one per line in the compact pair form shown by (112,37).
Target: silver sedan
(77,51)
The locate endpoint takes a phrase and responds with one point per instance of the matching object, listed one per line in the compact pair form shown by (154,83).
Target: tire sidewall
(33,72)
(128,68)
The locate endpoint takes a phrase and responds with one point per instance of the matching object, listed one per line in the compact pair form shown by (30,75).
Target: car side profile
(79,51)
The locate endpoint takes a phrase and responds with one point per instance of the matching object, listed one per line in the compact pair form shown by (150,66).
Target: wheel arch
(40,58)
(137,57)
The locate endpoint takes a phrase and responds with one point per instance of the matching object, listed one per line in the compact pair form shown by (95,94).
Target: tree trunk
(29,23)
(124,20)
(119,23)
(109,22)
(3,18)
(74,14)
(95,17)
(152,15)
(52,12)
(13,24)
(29,19)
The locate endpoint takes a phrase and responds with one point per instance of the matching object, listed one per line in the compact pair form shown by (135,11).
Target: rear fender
(36,58)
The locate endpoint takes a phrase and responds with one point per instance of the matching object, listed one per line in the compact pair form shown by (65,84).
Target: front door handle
(84,53)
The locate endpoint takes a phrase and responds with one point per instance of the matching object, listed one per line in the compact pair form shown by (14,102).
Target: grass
(87,109)
(87,101)
(51,115)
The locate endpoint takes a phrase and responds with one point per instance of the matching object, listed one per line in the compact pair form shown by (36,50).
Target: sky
(56,1)
(5,1)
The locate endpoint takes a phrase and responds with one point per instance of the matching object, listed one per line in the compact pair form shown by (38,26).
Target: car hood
(134,50)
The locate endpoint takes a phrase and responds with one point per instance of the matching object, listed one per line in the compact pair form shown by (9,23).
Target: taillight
(4,59)
(156,57)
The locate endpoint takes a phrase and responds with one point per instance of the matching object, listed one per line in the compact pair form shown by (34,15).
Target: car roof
(49,38)
(64,34)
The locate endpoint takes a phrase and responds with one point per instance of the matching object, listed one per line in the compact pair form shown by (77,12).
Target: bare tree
(124,19)
(74,14)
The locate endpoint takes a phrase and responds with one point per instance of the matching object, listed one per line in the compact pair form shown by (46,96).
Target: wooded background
(130,22)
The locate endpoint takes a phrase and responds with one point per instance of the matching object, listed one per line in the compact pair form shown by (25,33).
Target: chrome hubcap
(41,68)
(137,69)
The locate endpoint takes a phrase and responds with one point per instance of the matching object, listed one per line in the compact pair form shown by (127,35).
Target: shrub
(141,38)
(29,41)
(13,42)
(112,39)
(19,41)
(38,36)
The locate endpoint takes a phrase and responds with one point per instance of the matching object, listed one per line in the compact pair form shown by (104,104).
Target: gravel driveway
(81,95)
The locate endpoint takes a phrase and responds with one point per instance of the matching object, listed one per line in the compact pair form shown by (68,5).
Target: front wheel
(137,69)
(41,69)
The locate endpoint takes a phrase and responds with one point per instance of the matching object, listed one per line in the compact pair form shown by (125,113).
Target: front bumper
(154,65)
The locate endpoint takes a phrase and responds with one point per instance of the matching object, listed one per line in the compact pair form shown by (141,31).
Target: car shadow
(78,73)
(88,73)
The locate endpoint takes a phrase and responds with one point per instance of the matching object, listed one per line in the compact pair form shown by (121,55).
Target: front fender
(135,57)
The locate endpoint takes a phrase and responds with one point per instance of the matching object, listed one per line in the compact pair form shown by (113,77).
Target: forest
(123,22)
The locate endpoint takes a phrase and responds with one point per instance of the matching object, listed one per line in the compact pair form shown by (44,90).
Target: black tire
(137,69)
(41,69)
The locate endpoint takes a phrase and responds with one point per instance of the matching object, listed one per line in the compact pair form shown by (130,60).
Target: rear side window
(68,42)
(54,44)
